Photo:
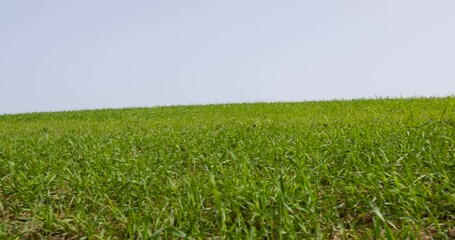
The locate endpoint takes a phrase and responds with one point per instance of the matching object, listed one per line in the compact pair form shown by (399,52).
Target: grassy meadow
(347,169)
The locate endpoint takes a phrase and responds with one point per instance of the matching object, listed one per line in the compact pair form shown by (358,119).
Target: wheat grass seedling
(353,169)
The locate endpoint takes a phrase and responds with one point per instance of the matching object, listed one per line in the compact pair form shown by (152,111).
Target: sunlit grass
(332,170)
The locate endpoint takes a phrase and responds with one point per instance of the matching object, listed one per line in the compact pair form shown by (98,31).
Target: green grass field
(356,169)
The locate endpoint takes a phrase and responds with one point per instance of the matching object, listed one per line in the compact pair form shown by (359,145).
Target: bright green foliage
(381,168)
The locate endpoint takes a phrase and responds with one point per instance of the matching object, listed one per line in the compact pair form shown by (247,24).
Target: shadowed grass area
(379,168)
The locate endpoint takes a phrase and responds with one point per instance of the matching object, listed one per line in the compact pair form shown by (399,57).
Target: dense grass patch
(339,169)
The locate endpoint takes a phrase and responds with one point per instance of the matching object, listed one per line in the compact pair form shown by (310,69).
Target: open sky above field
(66,55)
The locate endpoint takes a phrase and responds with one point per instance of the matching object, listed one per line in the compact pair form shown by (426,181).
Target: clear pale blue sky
(67,55)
